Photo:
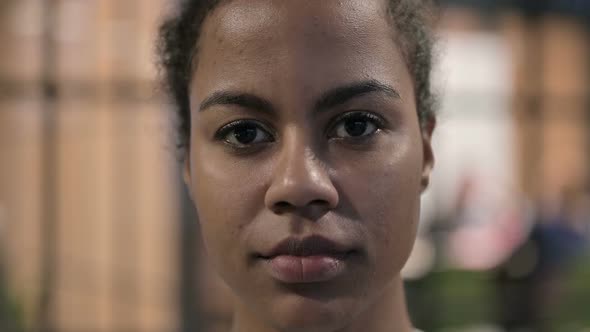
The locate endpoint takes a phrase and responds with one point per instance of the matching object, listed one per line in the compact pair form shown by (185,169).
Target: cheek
(385,194)
(397,197)
(228,196)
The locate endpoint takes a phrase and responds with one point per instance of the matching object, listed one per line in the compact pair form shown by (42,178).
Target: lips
(312,259)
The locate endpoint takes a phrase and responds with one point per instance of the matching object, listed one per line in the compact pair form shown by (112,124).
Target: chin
(295,313)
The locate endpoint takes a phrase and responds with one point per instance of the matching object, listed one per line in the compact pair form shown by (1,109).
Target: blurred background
(97,233)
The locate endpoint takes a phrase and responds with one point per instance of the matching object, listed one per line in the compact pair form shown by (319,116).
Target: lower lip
(305,269)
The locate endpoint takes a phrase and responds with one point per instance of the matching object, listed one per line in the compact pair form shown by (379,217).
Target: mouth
(308,260)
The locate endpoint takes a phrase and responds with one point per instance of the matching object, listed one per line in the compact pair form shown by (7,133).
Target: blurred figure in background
(531,282)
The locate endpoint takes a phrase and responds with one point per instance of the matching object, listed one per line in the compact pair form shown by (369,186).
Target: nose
(301,181)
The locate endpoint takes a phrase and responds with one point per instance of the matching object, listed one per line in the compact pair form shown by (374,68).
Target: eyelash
(379,123)
(225,130)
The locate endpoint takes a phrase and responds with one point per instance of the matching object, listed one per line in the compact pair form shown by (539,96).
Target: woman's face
(306,156)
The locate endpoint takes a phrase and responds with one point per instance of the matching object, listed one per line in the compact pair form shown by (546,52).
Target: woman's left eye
(355,125)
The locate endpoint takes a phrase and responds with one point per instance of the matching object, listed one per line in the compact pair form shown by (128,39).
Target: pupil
(245,134)
(355,127)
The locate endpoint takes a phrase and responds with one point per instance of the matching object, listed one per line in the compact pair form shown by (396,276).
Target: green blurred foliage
(11,313)
(455,299)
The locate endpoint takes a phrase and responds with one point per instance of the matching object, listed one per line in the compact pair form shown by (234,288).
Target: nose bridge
(301,177)
(299,162)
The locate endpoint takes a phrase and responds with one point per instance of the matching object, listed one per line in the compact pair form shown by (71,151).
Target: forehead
(298,43)
(297,18)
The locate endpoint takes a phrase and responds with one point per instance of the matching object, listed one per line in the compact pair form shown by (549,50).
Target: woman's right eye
(243,133)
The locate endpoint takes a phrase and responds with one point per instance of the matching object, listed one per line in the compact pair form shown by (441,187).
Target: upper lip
(314,245)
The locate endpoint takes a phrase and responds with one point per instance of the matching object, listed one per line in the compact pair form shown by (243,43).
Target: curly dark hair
(177,48)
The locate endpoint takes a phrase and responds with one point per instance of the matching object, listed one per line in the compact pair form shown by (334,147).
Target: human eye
(243,134)
(356,125)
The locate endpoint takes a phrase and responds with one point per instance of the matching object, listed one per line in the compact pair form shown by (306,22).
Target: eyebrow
(340,95)
(246,100)
(328,100)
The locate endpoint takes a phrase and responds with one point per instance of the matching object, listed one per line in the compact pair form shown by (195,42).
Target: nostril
(318,202)
(282,206)
(313,210)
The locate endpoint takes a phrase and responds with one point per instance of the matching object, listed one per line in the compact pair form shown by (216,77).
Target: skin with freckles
(303,124)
